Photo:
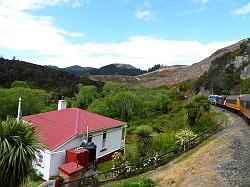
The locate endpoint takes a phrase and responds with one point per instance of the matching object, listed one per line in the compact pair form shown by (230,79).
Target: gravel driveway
(223,161)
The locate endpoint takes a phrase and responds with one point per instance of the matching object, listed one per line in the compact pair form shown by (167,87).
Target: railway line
(223,161)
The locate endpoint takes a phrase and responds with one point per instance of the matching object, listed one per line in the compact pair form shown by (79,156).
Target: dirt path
(223,161)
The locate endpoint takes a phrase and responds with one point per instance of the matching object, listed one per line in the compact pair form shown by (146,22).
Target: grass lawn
(142,180)
(105,166)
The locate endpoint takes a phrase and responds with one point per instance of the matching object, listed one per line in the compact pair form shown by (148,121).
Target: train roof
(233,97)
(245,97)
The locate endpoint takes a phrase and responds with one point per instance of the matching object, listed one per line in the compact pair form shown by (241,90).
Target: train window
(231,101)
(242,104)
(248,104)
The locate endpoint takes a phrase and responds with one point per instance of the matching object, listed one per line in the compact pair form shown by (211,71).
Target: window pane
(90,138)
(104,136)
(123,133)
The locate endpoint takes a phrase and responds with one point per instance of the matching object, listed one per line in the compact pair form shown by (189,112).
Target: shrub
(184,135)
(118,159)
(205,123)
(163,142)
(144,138)
(55,177)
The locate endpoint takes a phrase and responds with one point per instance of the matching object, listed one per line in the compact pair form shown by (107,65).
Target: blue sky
(138,32)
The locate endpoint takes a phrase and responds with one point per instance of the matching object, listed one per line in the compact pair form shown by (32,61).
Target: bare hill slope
(170,75)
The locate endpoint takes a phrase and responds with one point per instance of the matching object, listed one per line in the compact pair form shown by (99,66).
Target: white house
(67,128)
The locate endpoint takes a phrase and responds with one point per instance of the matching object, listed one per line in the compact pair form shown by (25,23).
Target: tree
(144,139)
(124,105)
(85,97)
(33,101)
(196,107)
(19,143)
(111,88)
(20,84)
(245,86)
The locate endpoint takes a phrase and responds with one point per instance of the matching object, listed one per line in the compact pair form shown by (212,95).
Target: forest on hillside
(56,81)
(224,74)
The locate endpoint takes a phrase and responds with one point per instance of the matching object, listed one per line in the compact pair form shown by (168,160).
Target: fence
(132,169)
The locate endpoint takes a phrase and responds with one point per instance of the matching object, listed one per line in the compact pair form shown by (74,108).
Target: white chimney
(62,104)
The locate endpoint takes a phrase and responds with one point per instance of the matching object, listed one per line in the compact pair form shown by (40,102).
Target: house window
(123,133)
(40,158)
(104,138)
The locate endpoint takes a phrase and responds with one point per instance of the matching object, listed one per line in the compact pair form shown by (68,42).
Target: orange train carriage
(233,102)
(238,103)
(245,105)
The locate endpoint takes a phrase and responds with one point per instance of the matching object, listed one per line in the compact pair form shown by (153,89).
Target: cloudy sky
(137,32)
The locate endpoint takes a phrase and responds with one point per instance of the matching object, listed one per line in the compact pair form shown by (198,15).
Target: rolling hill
(41,77)
(170,75)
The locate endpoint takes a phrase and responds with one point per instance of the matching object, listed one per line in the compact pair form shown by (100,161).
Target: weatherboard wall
(54,159)
(44,167)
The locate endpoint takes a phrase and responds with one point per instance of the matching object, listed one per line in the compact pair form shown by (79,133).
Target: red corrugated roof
(70,168)
(57,127)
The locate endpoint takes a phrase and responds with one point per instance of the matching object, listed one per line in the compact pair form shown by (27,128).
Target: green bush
(205,123)
(56,177)
(184,135)
(163,142)
(118,159)
(19,84)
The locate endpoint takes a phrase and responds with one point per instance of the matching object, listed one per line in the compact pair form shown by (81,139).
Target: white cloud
(200,1)
(244,10)
(28,33)
(144,14)
(36,4)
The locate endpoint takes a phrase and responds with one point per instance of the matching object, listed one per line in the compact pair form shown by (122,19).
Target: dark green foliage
(49,79)
(196,107)
(117,69)
(205,123)
(19,84)
(144,139)
(78,70)
(223,76)
(85,97)
(33,101)
(18,145)
(154,68)
(163,142)
(85,80)
(37,76)
(111,88)
(245,86)
(133,105)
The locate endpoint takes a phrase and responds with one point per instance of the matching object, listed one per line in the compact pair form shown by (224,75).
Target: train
(237,103)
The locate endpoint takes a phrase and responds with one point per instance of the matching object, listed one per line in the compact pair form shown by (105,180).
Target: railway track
(223,161)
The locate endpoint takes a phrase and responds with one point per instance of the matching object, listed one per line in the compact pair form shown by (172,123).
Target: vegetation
(223,77)
(245,86)
(118,159)
(19,84)
(133,182)
(158,119)
(18,145)
(53,80)
(85,97)
(33,101)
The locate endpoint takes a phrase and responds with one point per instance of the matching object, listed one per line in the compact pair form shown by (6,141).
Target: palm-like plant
(19,143)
